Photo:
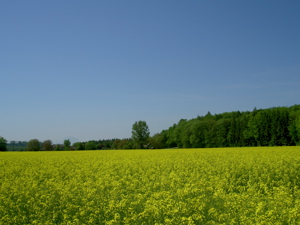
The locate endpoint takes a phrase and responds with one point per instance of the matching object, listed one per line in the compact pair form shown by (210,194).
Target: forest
(277,126)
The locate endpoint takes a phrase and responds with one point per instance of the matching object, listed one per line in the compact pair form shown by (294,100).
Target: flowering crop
(182,186)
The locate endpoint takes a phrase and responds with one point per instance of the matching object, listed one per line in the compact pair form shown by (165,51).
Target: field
(181,186)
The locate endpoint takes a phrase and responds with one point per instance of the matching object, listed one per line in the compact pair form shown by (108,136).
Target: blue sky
(87,70)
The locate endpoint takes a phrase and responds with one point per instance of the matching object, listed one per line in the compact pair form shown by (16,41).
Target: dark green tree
(122,144)
(280,123)
(116,144)
(3,144)
(222,127)
(127,143)
(33,145)
(197,137)
(294,128)
(140,134)
(157,141)
(170,137)
(67,144)
(91,145)
(57,147)
(261,127)
(16,146)
(79,146)
(183,133)
(47,145)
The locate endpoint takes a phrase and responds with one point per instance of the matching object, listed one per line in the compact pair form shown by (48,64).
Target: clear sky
(87,70)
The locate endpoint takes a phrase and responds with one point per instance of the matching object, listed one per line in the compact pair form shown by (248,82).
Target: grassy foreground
(182,186)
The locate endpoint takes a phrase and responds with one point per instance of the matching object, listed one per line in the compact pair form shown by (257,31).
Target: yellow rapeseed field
(179,186)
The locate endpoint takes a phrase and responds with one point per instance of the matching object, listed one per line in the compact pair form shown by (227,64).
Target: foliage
(122,144)
(17,146)
(278,126)
(79,146)
(91,145)
(47,145)
(157,141)
(33,145)
(182,186)
(140,134)
(57,147)
(3,143)
(67,144)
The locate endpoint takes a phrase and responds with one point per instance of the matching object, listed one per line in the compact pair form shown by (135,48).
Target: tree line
(275,126)
(278,126)
(139,139)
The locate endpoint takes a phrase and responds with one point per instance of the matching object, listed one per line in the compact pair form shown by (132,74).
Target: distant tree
(208,114)
(67,144)
(116,144)
(91,145)
(157,141)
(222,132)
(140,133)
(122,144)
(17,146)
(33,145)
(57,147)
(3,144)
(79,146)
(12,146)
(294,127)
(182,133)
(47,145)
(261,127)
(170,137)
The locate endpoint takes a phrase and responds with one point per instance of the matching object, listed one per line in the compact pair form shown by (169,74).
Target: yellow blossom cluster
(178,186)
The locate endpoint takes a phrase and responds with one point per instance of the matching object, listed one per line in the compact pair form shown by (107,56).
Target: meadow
(258,185)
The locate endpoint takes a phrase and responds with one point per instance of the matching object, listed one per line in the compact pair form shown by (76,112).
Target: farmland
(178,186)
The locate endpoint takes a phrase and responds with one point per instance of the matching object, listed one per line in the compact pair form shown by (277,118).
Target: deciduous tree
(33,145)
(140,133)
(3,143)
(90,145)
(67,144)
(47,145)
